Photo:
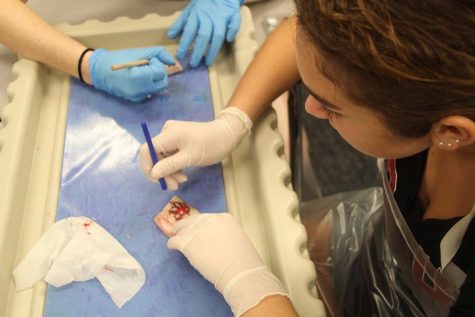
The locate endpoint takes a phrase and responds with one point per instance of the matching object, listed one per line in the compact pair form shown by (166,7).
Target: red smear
(87,223)
(179,210)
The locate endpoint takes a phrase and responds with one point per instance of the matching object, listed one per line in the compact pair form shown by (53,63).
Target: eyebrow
(321,99)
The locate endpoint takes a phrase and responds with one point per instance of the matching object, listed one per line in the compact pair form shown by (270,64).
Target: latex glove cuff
(250,287)
(246,283)
(237,128)
(241,115)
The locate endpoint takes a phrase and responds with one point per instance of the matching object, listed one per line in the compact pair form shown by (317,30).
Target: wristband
(80,63)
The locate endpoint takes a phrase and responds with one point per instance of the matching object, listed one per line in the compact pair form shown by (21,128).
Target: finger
(165,57)
(201,41)
(170,164)
(172,184)
(136,98)
(174,243)
(185,229)
(167,142)
(164,143)
(152,180)
(159,74)
(174,180)
(178,25)
(188,35)
(190,225)
(180,177)
(158,52)
(216,43)
(233,27)
(140,82)
(157,69)
(170,140)
(146,166)
(194,224)
(145,161)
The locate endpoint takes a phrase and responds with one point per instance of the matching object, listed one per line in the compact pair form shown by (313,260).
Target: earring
(448,144)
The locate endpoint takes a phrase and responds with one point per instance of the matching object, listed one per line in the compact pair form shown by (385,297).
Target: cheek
(313,107)
(373,140)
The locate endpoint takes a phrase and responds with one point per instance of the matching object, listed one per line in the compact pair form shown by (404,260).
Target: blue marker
(153,154)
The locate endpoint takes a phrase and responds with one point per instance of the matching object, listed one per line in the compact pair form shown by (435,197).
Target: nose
(313,107)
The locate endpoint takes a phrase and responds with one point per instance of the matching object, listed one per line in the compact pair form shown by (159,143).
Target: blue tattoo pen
(153,154)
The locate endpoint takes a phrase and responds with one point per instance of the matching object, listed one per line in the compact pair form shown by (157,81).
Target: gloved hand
(134,83)
(182,144)
(212,20)
(217,247)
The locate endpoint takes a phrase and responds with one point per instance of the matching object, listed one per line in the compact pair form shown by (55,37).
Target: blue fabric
(101,179)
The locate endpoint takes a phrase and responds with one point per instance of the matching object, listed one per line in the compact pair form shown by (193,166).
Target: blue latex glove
(134,83)
(210,21)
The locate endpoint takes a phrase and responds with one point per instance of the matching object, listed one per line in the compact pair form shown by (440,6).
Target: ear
(453,132)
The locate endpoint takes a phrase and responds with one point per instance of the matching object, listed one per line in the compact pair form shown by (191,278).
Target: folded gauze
(79,249)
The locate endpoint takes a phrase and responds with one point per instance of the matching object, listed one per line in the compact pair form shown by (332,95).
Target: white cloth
(79,249)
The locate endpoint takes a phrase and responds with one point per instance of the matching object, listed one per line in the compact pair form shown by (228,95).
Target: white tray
(257,178)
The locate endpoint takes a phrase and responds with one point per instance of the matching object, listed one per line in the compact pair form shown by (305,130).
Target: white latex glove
(217,247)
(183,144)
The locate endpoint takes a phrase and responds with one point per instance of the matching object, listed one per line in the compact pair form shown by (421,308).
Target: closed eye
(330,113)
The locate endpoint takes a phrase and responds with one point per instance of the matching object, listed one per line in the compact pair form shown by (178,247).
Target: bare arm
(26,33)
(276,306)
(273,71)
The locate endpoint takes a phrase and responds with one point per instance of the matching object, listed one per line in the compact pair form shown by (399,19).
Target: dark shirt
(430,232)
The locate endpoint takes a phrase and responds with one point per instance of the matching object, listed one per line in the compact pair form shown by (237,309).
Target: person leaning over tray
(396,79)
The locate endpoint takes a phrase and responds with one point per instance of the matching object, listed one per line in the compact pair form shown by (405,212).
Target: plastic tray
(257,177)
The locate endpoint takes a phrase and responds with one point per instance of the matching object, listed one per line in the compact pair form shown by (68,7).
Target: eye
(330,113)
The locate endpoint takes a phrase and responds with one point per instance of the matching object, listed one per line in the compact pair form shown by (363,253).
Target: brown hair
(412,61)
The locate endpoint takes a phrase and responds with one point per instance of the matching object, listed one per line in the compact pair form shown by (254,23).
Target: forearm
(276,306)
(26,33)
(273,71)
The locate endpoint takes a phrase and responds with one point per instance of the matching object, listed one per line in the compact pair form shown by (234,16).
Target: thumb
(176,242)
(159,74)
(233,27)
(186,229)
(181,239)
(178,25)
(165,57)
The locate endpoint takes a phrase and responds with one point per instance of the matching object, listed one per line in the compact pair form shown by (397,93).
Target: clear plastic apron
(367,260)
